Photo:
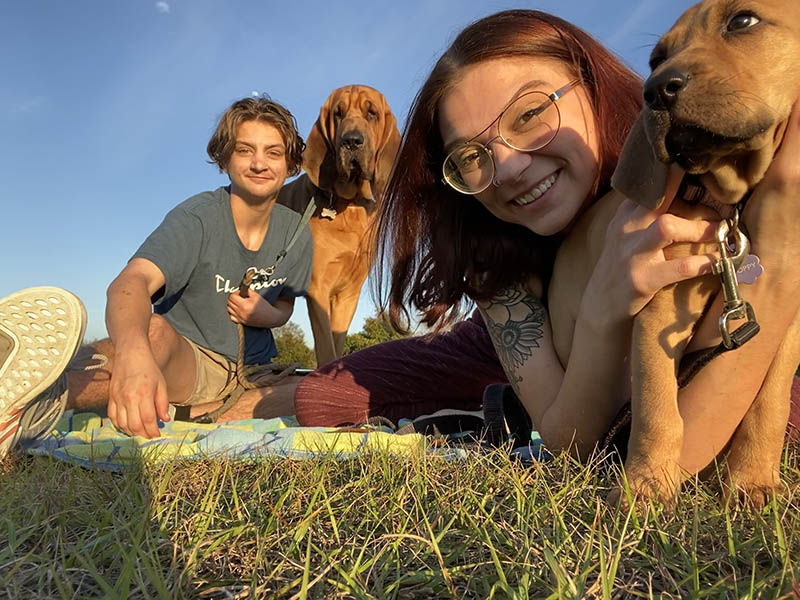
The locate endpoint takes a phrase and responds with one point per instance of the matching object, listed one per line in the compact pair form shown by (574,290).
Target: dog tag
(328,213)
(749,270)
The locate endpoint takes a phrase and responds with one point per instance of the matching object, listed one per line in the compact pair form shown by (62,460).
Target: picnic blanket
(92,441)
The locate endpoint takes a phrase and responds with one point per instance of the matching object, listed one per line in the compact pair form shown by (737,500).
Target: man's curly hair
(265,110)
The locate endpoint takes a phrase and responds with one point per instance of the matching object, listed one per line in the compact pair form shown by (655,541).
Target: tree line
(292,346)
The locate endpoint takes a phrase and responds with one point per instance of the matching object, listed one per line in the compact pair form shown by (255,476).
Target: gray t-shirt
(203,260)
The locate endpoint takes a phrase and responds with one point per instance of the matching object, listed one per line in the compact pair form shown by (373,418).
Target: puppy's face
(358,117)
(723,82)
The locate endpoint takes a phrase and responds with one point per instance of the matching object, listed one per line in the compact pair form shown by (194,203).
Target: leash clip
(734,247)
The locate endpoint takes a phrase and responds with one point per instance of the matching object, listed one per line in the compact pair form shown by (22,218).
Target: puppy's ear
(385,153)
(639,175)
(318,144)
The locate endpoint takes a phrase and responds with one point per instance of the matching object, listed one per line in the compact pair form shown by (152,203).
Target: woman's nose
(509,163)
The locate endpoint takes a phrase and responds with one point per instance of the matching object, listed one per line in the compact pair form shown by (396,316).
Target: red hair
(441,250)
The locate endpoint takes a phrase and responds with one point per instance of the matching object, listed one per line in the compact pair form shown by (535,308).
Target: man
(189,269)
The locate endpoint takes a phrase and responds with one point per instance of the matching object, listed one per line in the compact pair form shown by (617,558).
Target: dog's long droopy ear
(639,175)
(386,152)
(318,144)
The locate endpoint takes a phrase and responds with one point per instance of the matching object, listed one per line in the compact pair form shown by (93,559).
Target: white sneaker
(41,329)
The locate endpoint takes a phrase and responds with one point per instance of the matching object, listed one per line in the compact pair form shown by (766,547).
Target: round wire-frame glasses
(529,122)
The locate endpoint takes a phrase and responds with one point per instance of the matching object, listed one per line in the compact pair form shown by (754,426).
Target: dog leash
(249,377)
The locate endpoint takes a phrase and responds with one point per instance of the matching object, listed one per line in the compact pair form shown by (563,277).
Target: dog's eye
(339,112)
(372,113)
(743,21)
(656,62)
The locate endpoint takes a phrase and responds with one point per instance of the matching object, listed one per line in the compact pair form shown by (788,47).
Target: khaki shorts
(213,372)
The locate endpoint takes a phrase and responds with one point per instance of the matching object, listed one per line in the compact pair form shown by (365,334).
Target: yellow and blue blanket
(91,441)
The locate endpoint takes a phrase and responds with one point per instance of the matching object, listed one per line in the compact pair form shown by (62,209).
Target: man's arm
(138,390)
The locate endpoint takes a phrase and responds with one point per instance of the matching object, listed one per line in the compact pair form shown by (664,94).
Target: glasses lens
(469,168)
(530,122)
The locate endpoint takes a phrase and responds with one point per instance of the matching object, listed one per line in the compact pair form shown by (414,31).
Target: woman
(489,231)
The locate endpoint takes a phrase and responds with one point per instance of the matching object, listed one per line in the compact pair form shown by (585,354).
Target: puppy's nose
(661,90)
(353,139)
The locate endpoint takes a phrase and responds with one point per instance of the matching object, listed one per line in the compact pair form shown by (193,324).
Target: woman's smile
(538,190)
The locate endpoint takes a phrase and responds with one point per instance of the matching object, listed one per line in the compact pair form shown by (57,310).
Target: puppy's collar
(694,193)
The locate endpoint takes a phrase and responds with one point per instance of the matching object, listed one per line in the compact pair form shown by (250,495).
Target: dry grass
(380,527)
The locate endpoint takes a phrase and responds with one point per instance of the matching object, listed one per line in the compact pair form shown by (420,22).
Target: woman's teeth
(537,192)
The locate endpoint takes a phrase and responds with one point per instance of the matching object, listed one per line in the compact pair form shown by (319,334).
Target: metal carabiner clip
(725,267)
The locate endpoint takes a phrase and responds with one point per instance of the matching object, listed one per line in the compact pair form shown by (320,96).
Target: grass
(380,526)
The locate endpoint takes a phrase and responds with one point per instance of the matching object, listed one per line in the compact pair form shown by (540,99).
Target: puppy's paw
(618,497)
(755,496)
(643,491)
(753,485)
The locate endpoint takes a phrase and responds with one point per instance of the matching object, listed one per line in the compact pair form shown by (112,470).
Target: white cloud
(162,7)
(28,105)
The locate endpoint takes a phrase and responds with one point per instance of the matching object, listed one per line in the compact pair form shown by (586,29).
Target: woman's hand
(632,266)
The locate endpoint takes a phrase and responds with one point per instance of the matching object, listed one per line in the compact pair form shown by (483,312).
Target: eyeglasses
(529,123)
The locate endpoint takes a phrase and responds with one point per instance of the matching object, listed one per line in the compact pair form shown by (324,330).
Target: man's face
(257,167)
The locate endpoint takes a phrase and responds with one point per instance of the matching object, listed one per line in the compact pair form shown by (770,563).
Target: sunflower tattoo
(520,332)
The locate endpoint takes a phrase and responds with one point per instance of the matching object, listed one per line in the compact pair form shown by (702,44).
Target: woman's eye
(533,112)
(743,21)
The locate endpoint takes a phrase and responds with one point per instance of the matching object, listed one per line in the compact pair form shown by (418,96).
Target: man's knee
(161,334)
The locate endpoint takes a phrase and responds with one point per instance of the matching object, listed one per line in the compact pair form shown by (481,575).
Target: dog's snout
(661,89)
(353,139)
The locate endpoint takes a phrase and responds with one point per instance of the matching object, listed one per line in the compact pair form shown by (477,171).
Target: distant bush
(292,346)
(376,330)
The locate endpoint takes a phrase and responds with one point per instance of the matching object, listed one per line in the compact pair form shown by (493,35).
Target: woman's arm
(572,408)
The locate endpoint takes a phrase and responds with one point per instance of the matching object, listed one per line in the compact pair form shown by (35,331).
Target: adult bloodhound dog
(348,158)
(723,83)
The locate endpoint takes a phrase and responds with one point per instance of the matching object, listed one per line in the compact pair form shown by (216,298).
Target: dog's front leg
(651,467)
(753,462)
(319,316)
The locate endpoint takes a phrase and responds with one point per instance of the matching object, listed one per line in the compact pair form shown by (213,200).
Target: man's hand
(255,311)
(137,395)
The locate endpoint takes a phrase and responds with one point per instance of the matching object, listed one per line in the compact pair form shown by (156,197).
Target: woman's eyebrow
(528,86)
(534,84)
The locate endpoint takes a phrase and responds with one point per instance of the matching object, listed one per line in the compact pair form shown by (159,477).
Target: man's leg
(88,390)
(261,403)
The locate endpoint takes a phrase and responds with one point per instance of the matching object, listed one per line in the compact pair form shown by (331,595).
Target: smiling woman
(475,210)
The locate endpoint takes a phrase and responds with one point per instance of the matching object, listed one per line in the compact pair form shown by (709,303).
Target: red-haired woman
(475,212)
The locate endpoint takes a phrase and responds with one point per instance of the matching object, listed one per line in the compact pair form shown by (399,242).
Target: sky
(106,107)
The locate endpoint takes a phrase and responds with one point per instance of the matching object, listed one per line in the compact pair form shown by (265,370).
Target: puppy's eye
(372,113)
(339,112)
(743,21)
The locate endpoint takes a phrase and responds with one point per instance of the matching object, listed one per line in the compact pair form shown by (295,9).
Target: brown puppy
(348,158)
(723,83)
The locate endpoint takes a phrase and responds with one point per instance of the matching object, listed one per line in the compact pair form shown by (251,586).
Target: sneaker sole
(45,326)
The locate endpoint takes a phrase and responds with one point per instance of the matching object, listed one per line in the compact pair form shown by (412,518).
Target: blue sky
(106,107)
